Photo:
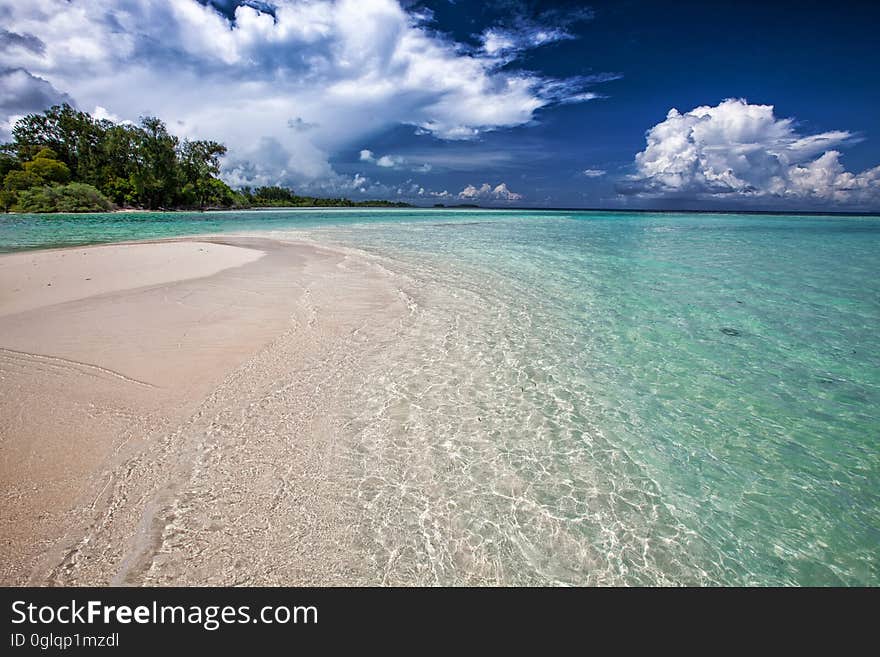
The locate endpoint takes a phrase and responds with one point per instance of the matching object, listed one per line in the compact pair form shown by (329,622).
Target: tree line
(65,160)
(282,197)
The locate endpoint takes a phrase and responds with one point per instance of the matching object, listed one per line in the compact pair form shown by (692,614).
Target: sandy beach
(166,415)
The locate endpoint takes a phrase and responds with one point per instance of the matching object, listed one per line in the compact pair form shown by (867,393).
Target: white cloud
(392,162)
(498,41)
(486,192)
(826,178)
(304,84)
(524,33)
(415,191)
(738,149)
(102,113)
(594,173)
(466,157)
(388,161)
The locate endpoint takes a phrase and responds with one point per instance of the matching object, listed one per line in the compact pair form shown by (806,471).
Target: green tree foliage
(18,179)
(276,194)
(7,199)
(199,167)
(156,173)
(61,158)
(119,162)
(8,162)
(73,197)
(140,166)
(38,187)
(281,197)
(46,167)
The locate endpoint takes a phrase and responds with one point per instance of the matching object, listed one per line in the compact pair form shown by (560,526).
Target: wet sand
(168,411)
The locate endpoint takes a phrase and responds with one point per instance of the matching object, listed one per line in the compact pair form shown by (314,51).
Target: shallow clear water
(602,397)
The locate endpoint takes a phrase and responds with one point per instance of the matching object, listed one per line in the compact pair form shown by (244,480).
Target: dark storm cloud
(228,7)
(21,92)
(300,125)
(26,41)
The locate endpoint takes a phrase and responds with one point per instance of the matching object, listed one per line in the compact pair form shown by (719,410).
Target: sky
(624,104)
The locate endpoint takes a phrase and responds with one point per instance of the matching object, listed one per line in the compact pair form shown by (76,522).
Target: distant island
(64,160)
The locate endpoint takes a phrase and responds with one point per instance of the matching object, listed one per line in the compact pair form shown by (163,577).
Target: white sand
(170,420)
(41,278)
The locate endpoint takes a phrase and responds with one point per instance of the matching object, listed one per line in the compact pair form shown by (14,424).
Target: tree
(119,156)
(44,168)
(199,164)
(8,198)
(8,161)
(75,137)
(18,179)
(275,193)
(74,197)
(64,159)
(47,168)
(155,176)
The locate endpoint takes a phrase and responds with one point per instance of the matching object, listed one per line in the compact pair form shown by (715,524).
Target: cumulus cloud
(736,149)
(486,192)
(388,161)
(298,80)
(593,173)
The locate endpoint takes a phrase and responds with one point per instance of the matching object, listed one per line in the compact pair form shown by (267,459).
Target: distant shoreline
(810,213)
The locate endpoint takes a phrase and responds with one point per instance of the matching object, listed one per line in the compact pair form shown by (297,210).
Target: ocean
(600,397)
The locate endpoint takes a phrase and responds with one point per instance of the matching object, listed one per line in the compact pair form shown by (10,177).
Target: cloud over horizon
(285,85)
(736,149)
(486,192)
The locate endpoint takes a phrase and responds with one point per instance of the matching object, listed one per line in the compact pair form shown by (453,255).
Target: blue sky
(626,104)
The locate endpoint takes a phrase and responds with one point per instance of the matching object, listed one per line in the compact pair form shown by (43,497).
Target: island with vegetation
(65,160)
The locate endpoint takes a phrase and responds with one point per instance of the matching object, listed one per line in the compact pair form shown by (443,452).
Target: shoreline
(173,410)
(286,208)
(322,208)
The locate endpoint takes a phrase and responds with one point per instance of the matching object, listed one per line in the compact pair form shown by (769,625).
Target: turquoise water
(603,398)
